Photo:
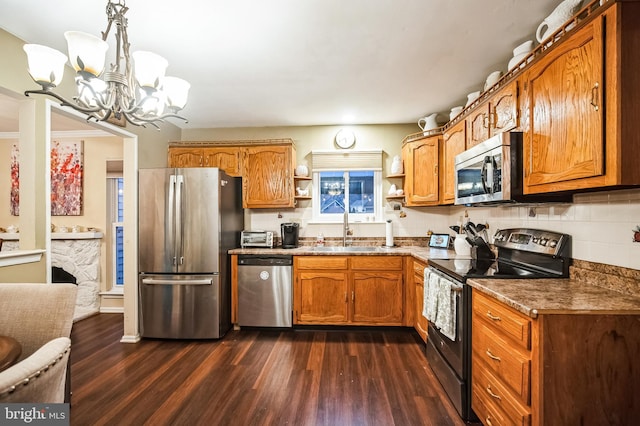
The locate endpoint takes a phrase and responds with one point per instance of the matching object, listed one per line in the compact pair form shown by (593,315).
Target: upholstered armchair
(39,317)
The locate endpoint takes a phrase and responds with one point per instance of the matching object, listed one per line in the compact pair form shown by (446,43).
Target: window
(115,217)
(355,191)
(347,181)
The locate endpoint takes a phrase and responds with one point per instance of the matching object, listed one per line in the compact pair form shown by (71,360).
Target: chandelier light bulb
(46,65)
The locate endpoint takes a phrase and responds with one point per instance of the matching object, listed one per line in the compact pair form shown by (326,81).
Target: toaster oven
(256,239)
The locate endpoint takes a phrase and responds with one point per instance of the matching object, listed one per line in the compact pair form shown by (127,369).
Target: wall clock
(345,139)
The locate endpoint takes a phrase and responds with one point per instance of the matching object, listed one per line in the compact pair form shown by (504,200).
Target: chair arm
(39,377)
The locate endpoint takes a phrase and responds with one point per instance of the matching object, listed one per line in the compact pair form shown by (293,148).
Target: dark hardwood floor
(254,377)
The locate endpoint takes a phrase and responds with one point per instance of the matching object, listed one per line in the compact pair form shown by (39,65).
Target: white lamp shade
(177,91)
(149,68)
(86,52)
(46,65)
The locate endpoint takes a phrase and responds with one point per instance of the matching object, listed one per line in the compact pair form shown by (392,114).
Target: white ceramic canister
(396,166)
(302,170)
(461,246)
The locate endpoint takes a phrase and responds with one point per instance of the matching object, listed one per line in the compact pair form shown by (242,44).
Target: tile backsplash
(601,224)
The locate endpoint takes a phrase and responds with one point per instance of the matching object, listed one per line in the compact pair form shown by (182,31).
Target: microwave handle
(484,175)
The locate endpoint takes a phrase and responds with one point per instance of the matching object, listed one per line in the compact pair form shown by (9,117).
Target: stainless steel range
(522,253)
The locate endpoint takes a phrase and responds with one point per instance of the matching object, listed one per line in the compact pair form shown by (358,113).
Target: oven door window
(480,177)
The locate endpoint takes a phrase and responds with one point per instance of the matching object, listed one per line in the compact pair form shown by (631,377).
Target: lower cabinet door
(322,298)
(377,298)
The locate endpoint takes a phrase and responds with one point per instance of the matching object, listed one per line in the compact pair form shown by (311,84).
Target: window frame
(319,217)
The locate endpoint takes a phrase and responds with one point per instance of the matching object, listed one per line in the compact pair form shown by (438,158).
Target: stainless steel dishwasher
(265,290)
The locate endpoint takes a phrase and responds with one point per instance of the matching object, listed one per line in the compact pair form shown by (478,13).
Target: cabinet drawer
(418,268)
(493,403)
(509,365)
(503,319)
(376,263)
(320,262)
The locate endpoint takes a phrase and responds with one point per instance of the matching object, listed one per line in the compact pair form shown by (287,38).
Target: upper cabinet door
(564,140)
(454,142)
(185,157)
(421,159)
(267,176)
(226,158)
(504,109)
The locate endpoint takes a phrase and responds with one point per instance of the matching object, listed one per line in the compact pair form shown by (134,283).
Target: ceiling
(254,63)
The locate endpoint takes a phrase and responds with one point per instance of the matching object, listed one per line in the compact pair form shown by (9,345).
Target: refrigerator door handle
(179,227)
(170,218)
(205,281)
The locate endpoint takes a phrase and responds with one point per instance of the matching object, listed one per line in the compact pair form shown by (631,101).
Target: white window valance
(346,160)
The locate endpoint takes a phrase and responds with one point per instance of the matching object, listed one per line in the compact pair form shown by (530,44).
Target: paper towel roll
(389,233)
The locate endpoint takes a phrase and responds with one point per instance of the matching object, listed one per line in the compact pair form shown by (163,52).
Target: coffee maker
(289,233)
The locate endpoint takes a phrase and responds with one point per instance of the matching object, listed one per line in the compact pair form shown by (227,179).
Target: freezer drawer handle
(178,282)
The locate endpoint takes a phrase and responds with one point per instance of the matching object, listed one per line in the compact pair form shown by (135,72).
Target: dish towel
(446,314)
(431,288)
(425,296)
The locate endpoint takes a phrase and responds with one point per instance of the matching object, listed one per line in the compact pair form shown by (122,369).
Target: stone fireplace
(79,255)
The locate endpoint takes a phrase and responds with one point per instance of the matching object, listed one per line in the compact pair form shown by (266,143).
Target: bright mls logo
(34,414)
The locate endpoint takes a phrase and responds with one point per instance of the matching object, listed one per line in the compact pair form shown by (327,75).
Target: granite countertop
(532,297)
(418,252)
(535,297)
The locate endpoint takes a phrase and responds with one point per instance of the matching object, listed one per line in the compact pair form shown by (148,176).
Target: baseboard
(112,310)
(130,339)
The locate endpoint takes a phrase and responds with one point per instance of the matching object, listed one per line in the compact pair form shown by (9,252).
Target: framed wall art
(67,173)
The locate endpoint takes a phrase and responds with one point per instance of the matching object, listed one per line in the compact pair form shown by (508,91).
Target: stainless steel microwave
(257,239)
(491,173)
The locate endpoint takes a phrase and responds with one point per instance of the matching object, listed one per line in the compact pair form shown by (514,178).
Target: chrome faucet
(346,230)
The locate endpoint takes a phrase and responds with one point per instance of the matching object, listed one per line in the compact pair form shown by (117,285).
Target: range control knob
(553,243)
(543,241)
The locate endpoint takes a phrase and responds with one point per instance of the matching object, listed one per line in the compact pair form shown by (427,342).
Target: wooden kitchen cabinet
(454,143)
(421,161)
(267,178)
(356,290)
(500,362)
(266,167)
(185,157)
(225,158)
(582,100)
(377,295)
(498,114)
(420,322)
(321,290)
(560,368)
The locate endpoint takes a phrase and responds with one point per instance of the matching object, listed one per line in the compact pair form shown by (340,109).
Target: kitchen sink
(347,249)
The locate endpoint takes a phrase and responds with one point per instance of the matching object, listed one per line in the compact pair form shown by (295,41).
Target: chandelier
(136,91)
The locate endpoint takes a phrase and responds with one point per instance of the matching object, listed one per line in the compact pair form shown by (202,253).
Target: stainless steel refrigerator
(189,219)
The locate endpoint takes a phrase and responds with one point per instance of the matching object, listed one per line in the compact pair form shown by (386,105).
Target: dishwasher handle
(204,281)
(265,260)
